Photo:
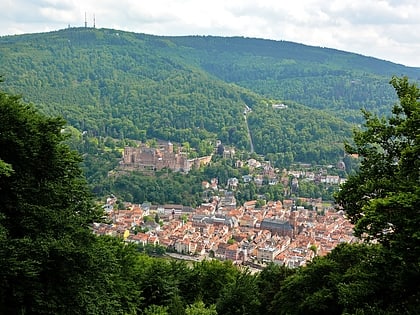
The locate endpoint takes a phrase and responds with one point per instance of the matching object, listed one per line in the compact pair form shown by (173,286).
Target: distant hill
(195,88)
(317,77)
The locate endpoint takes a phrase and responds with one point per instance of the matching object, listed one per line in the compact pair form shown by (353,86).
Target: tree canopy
(50,261)
(383,198)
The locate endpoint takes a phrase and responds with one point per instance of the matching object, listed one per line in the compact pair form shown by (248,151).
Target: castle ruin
(146,158)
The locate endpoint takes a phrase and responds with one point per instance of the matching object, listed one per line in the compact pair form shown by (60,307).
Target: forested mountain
(126,85)
(314,76)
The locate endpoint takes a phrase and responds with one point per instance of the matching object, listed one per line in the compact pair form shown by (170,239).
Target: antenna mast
(94,21)
(85,21)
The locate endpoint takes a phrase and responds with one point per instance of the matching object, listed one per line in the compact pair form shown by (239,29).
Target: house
(185,246)
(247,220)
(229,152)
(253,163)
(151,225)
(166,242)
(173,209)
(139,238)
(331,179)
(220,252)
(279,106)
(258,180)
(214,182)
(153,240)
(249,205)
(228,201)
(310,176)
(247,178)
(145,206)
(232,252)
(267,253)
(232,183)
(108,207)
(296,174)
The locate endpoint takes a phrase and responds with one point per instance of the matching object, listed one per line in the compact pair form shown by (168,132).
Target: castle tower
(129,156)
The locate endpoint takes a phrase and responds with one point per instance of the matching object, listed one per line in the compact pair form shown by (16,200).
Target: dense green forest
(110,83)
(52,263)
(337,81)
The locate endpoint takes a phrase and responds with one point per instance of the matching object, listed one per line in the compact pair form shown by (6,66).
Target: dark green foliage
(151,250)
(307,135)
(126,85)
(321,78)
(212,277)
(382,198)
(269,282)
(346,280)
(121,85)
(158,284)
(162,187)
(187,280)
(238,297)
(44,170)
(50,261)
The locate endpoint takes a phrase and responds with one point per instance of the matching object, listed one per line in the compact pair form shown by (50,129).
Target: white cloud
(386,29)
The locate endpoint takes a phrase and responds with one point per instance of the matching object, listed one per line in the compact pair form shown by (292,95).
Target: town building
(275,226)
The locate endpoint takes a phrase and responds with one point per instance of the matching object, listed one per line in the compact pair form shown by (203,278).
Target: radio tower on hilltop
(94,21)
(85,21)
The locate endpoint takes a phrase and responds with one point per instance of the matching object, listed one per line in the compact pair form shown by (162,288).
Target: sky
(384,29)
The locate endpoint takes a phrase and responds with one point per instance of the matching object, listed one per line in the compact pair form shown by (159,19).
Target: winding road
(246,111)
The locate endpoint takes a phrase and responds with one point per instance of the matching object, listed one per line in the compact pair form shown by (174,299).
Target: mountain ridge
(288,42)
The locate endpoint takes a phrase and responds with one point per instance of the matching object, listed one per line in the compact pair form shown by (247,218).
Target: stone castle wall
(147,158)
